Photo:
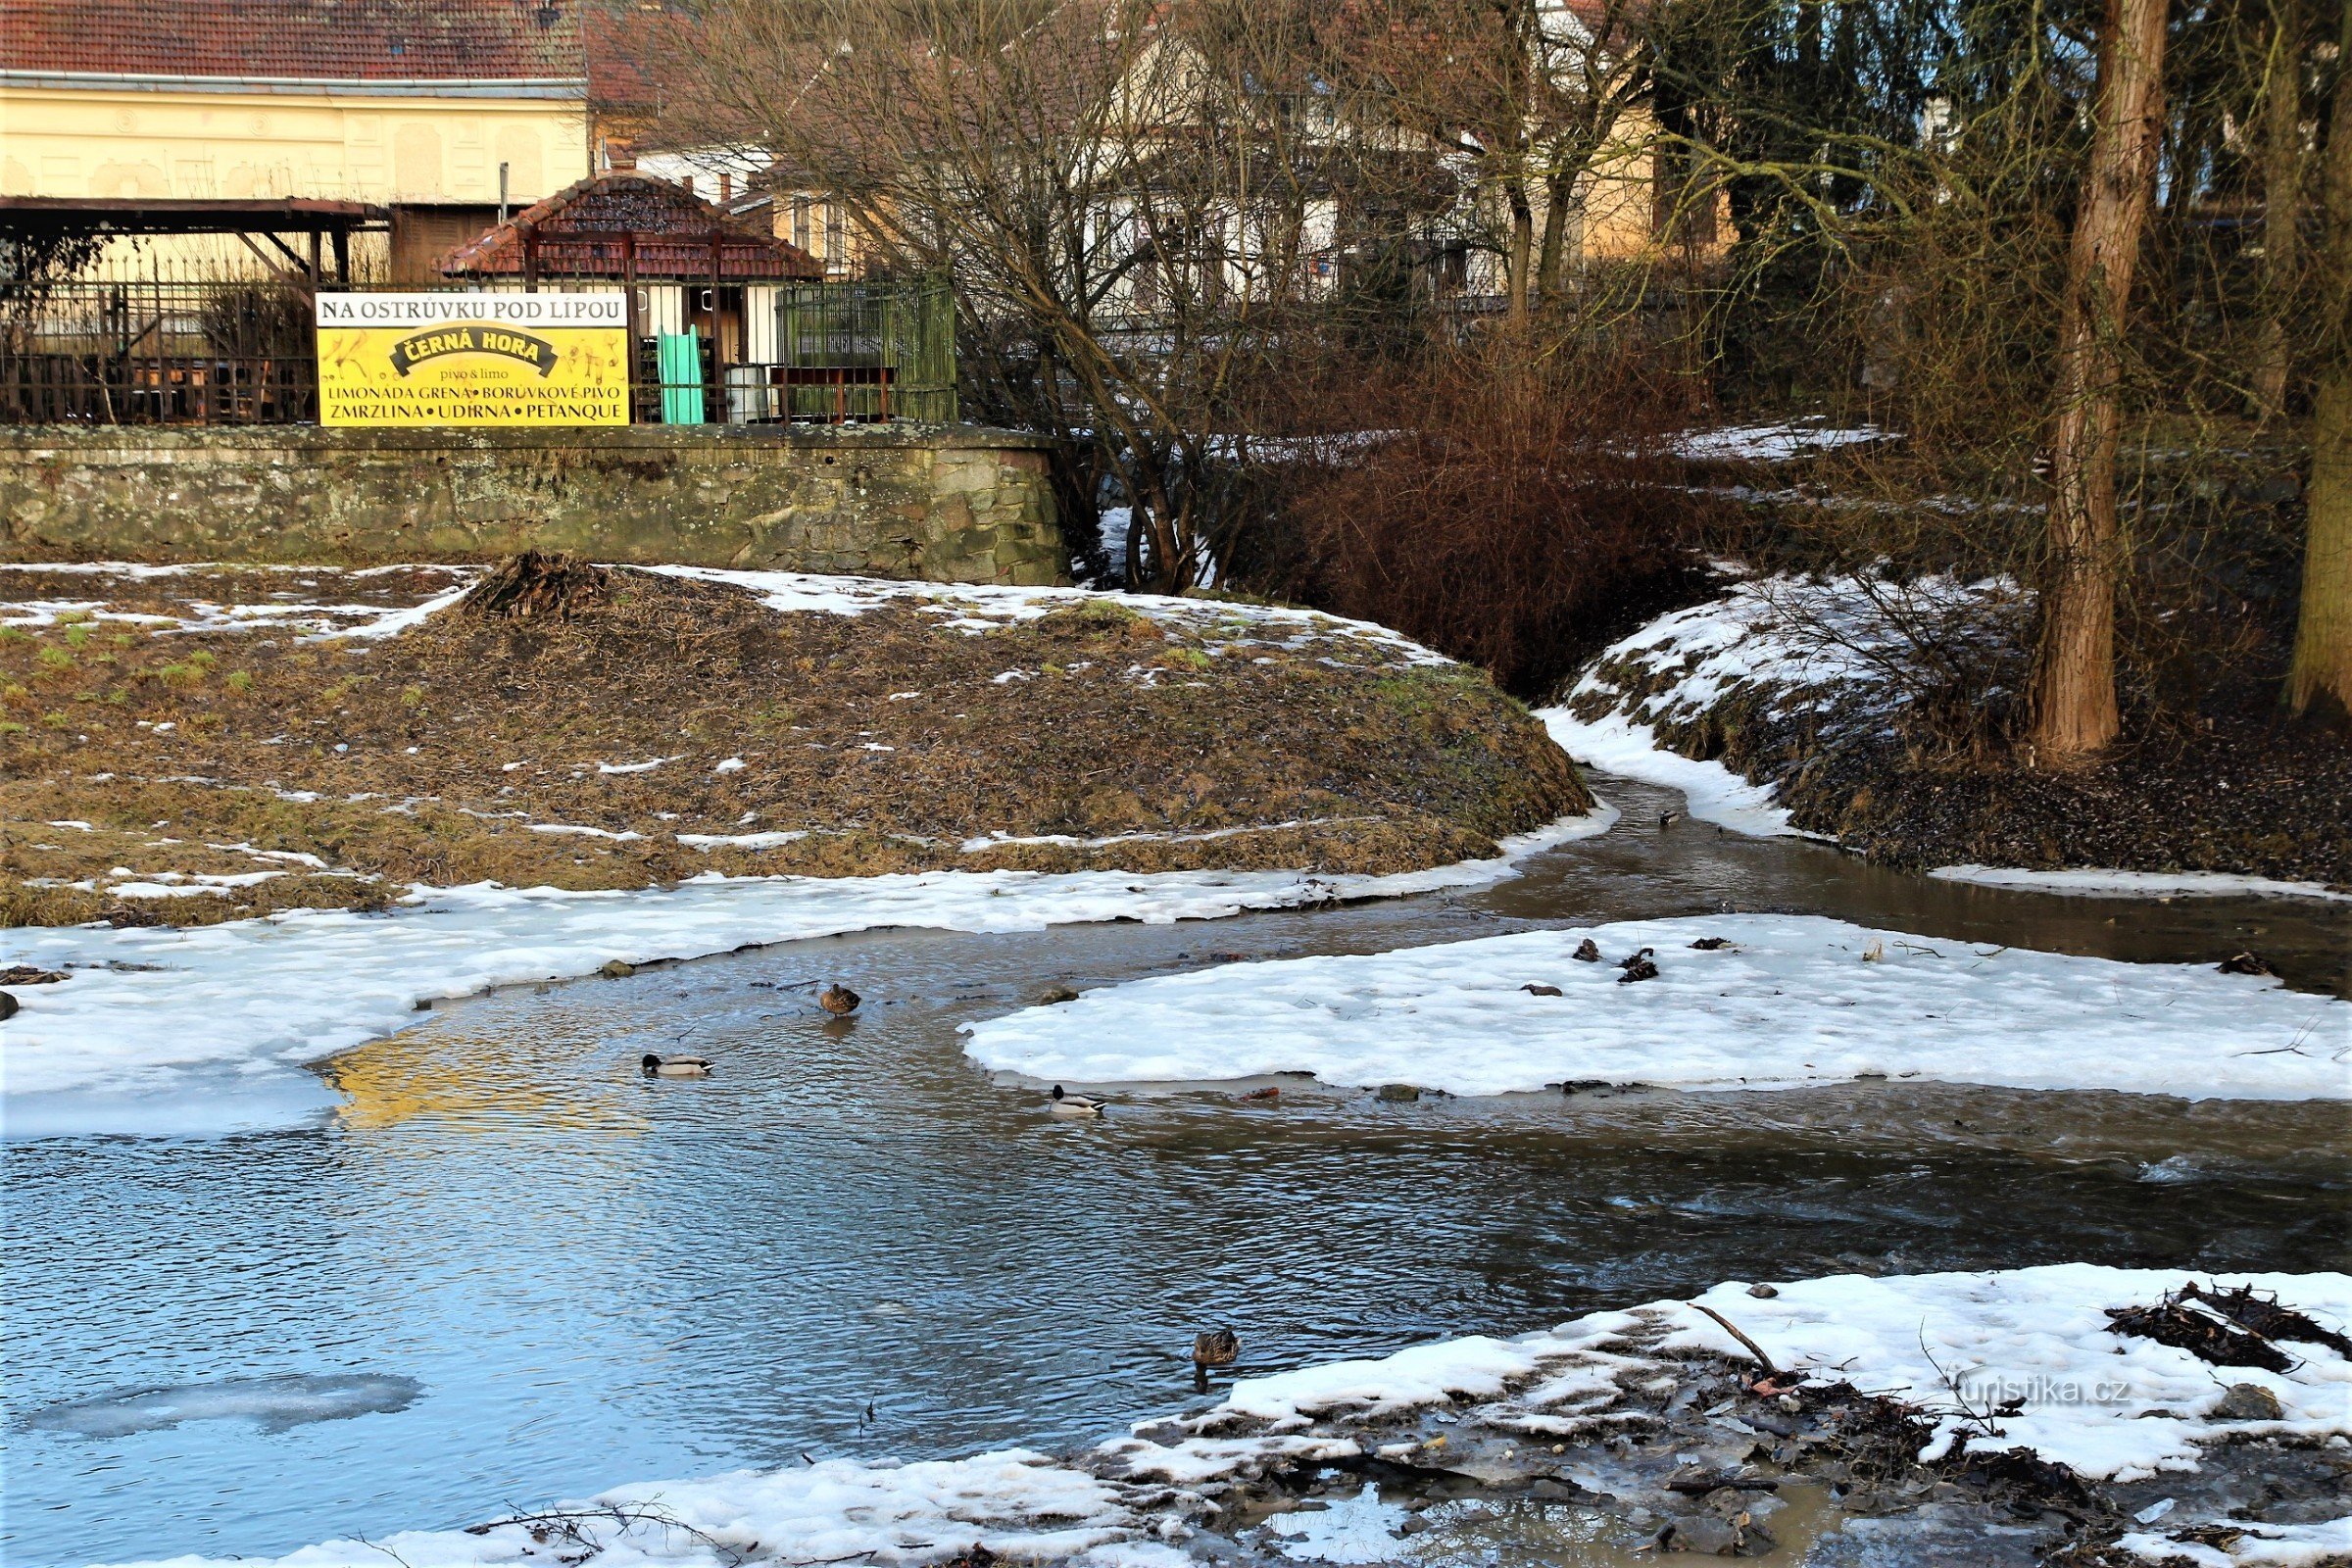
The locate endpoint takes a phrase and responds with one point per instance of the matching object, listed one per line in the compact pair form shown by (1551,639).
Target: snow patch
(1712,792)
(1794,999)
(400,620)
(1771,443)
(2103,884)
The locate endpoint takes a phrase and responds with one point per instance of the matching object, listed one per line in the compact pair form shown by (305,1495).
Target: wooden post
(628,284)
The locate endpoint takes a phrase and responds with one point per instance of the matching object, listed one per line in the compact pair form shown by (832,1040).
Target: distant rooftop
(628,224)
(374,41)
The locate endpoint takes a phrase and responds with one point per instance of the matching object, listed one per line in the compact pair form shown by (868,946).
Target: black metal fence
(153,351)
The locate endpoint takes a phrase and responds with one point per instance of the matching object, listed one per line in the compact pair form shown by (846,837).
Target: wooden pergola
(268,221)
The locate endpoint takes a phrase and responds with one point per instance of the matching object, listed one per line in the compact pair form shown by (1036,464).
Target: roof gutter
(558,88)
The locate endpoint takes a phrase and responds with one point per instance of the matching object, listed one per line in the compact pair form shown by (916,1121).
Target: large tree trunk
(2281,204)
(1552,263)
(2074,713)
(1519,264)
(2320,680)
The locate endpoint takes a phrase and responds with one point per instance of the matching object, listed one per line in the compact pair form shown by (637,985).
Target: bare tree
(1530,95)
(1132,201)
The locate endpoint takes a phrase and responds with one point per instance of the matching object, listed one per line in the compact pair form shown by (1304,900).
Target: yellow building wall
(360,147)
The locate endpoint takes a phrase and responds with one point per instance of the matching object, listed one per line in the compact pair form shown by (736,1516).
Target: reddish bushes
(1512,507)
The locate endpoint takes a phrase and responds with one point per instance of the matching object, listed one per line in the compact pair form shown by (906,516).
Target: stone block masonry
(956,503)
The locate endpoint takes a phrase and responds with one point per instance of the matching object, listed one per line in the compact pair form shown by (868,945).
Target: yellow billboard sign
(498,358)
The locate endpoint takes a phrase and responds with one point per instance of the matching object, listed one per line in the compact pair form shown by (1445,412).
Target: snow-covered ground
(1616,744)
(1835,650)
(1793,1000)
(204,1030)
(2036,1343)
(1831,648)
(1016,1502)
(1771,443)
(1223,624)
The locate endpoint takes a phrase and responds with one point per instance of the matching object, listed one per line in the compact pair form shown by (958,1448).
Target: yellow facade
(387,147)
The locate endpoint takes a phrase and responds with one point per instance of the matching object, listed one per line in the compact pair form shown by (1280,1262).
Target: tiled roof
(379,40)
(674,231)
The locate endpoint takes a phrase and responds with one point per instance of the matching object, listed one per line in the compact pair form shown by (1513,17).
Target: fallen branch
(1753,1349)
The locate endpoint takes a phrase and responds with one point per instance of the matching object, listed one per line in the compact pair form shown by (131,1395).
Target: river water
(516,1269)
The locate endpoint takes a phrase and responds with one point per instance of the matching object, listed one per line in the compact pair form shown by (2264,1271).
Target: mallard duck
(675,1066)
(1217,1347)
(838,1000)
(1069,1105)
(1586,951)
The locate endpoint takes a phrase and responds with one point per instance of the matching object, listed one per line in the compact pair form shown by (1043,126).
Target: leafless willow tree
(1134,201)
(1531,98)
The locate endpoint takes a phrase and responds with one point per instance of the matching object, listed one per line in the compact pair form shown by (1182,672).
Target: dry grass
(887,739)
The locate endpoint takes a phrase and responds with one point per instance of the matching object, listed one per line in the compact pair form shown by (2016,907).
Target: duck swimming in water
(674,1066)
(1069,1105)
(838,1000)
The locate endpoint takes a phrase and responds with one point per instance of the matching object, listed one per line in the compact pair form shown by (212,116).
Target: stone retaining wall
(950,505)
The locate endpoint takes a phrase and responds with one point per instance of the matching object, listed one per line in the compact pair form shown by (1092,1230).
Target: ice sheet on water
(273,1404)
(1358,1529)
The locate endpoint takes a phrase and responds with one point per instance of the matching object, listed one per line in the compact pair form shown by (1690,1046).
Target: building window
(834,245)
(799,221)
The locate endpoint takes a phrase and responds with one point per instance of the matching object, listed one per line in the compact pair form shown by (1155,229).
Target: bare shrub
(1507,503)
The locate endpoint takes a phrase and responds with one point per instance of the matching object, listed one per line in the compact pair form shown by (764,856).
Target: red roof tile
(378,40)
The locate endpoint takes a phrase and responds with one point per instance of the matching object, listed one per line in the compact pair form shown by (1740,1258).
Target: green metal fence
(867,351)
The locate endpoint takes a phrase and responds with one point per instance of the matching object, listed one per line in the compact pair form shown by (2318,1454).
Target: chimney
(620,155)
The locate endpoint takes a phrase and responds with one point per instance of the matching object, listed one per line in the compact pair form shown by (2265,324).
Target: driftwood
(538,586)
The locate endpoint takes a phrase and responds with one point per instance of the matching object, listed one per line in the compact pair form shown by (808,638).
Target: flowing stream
(516,1269)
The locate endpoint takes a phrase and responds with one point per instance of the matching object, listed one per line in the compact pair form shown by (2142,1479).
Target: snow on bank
(1014,1502)
(965,606)
(1771,443)
(1795,1000)
(1829,648)
(2101,884)
(2109,1406)
(205,1030)
(983,607)
(1712,792)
